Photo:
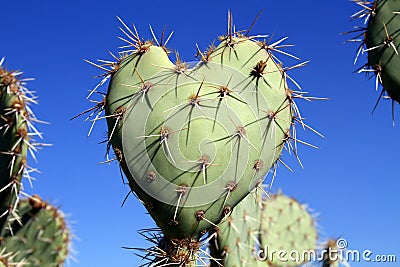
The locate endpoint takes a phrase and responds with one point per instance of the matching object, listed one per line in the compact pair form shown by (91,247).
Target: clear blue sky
(351,181)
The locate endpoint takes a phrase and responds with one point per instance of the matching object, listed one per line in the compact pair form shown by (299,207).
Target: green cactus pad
(255,61)
(383,43)
(186,131)
(14,139)
(193,139)
(43,239)
(288,227)
(379,36)
(236,239)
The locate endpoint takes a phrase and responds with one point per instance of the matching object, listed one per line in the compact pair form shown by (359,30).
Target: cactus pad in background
(259,228)
(235,241)
(42,238)
(16,131)
(287,225)
(194,139)
(380,38)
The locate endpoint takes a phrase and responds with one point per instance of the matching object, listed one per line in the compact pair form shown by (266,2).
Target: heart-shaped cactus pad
(193,139)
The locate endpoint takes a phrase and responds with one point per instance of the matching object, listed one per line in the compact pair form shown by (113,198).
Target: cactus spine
(381,40)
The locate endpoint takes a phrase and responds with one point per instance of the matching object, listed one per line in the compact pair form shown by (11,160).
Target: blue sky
(351,181)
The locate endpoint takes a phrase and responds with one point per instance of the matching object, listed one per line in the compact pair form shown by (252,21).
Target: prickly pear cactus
(14,140)
(287,225)
(40,238)
(381,40)
(235,241)
(193,139)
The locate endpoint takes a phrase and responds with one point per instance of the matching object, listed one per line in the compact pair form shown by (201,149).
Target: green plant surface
(383,42)
(40,237)
(287,226)
(14,140)
(235,241)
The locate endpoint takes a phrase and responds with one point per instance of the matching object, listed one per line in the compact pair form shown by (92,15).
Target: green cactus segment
(180,131)
(126,83)
(255,61)
(14,140)
(287,226)
(383,43)
(194,139)
(236,241)
(5,257)
(42,238)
